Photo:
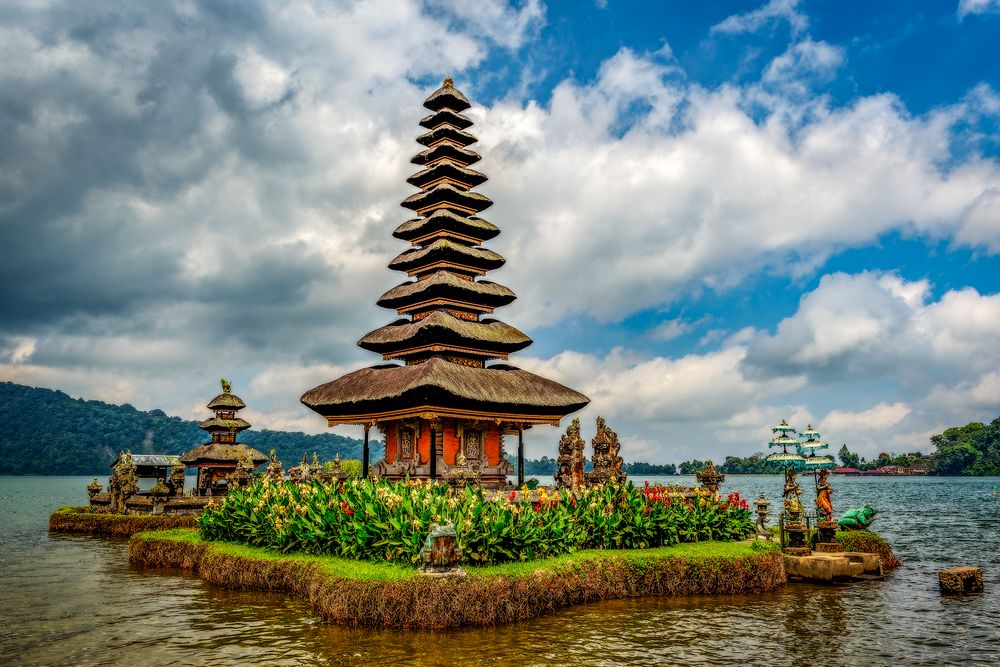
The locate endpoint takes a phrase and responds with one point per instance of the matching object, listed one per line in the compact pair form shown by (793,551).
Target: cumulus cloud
(966,7)
(872,325)
(773,12)
(803,61)
(191,190)
(696,191)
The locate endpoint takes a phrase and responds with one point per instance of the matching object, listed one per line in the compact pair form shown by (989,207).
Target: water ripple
(75,601)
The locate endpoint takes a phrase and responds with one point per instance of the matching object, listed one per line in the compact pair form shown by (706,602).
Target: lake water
(75,601)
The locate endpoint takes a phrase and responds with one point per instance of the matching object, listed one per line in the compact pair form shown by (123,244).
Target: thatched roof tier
(446,116)
(491,338)
(226,401)
(217,424)
(217,452)
(447,254)
(440,387)
(446,133)
(442,223)
(447,97)
(446,151)
(447,172)
(449,198)
(448,286)
(151,460)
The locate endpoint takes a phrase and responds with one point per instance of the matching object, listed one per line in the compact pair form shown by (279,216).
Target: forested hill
(45,432)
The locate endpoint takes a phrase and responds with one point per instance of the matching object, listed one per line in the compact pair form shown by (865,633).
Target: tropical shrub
(389,520)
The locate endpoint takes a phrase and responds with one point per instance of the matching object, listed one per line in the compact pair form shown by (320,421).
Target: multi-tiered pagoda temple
(438,394)
(218,459)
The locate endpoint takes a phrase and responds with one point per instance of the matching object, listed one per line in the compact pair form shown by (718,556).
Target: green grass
(689,550)
(374,571)
(173,534)
(337,567)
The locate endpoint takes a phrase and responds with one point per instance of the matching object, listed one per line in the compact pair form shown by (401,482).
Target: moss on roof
(452,134)
(447,150)
(443,249)
(447,97)
(481,292)
(447,193)
(222,452)
(226,401)
(216,424)
(442,326)
(446,220)
(446,168)
(496,389)
(460,121)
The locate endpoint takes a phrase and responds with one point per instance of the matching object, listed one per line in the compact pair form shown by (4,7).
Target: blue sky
(715,215)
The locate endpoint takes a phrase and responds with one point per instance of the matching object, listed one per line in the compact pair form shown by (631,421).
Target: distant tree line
(973,449)
(546,466)
(46,432)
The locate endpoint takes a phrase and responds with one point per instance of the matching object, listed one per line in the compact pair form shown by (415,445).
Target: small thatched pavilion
(445,408)
(218,459)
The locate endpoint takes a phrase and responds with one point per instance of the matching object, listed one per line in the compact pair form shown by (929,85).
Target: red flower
(343,505)
(348,512)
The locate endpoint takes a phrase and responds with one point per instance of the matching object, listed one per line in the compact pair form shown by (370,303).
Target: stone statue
(858,519)
(824,508)
(300,473)
(274,471)
(94,488)
(461,474)
(123,483)
(176,481)
(440,554)
(792,506)
(710,478)
(243,474)
(607,462)
(569,471)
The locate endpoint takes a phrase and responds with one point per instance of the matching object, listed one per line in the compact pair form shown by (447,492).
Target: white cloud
(966,7)
(671,329)
(872,326)
(803,61)
(497,20)
(694,191)
(231,214)
(773,11)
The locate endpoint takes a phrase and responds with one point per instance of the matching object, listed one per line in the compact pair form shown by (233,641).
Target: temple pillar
(520,456)
(364,455)
(491,443)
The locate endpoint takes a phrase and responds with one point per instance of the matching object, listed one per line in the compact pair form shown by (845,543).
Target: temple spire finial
(448,81)
(227,386)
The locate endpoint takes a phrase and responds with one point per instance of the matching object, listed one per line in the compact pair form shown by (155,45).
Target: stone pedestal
(827,531)
(829,547)
(796,541)
(961,580)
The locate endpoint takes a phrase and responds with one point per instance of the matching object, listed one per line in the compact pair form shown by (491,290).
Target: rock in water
(961,580)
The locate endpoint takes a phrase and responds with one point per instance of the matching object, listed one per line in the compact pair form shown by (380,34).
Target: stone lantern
(762,503)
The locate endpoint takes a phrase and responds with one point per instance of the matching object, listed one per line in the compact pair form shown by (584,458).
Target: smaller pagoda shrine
(222,458)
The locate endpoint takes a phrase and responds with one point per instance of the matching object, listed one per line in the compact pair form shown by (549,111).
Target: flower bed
(388,521)
(352,592)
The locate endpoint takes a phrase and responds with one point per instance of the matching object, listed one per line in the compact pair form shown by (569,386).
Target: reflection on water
(74,601)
